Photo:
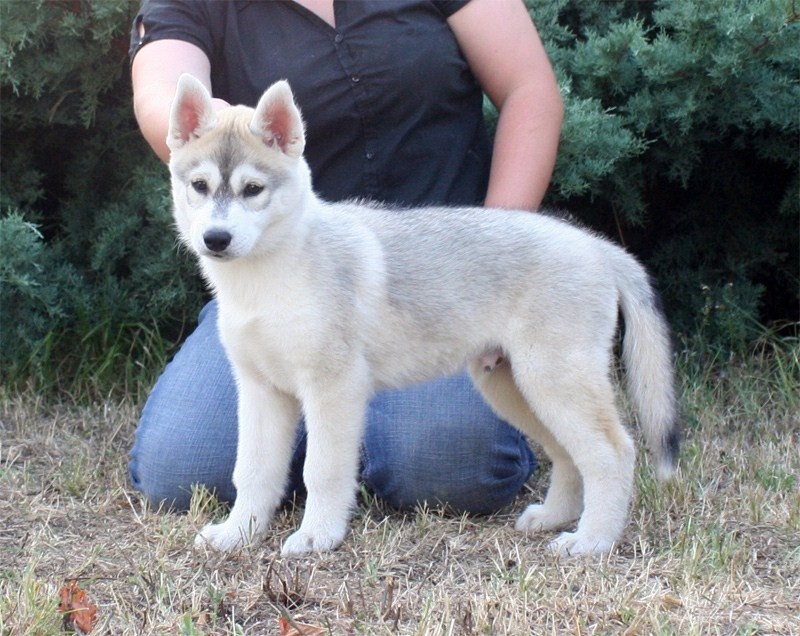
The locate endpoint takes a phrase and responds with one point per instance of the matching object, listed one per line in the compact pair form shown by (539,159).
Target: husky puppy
(320,304)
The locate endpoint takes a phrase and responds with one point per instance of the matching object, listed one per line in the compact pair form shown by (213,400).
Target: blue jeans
(436,442)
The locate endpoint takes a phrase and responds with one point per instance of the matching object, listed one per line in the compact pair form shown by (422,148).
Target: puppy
(321,304)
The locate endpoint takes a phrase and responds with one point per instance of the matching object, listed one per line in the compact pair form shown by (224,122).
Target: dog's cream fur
(320,304)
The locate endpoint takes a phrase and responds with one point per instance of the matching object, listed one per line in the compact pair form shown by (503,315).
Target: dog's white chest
(266,345)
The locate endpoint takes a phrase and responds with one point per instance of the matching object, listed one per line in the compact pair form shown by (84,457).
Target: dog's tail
(647,353)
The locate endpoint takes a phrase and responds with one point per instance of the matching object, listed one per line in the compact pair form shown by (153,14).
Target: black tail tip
(670,450)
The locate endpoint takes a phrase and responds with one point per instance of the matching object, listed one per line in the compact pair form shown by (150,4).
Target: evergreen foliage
(89,270)
(680,141)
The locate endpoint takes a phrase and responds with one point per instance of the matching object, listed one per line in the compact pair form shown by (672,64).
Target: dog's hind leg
(576,404)
(267,423)
(334,411)
(564,500)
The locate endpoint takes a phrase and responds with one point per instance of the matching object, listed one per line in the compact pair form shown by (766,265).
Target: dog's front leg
(334,412)
(267,423)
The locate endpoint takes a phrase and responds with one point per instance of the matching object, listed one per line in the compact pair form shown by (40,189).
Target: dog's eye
(200,186)
(253,190)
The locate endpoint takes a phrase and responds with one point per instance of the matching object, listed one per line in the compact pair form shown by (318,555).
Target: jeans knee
(166,472)
(179,446)
(478,473)
(187,432)
(160,495)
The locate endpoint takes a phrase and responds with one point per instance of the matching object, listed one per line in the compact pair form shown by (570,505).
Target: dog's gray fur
(321,304)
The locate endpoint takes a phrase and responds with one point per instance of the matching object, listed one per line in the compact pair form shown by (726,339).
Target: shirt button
(338,38)
(355,78)
(370,155)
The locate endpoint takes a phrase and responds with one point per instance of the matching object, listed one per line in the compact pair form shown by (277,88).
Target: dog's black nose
(217,240)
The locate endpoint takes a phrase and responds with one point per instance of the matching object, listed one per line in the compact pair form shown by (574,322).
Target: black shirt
(392,111)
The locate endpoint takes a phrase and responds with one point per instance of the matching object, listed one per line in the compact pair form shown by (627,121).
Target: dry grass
(717,552)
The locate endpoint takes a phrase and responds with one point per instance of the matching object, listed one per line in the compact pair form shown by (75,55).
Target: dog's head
(238,174)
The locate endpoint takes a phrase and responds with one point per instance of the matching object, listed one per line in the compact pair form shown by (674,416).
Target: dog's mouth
(217,256)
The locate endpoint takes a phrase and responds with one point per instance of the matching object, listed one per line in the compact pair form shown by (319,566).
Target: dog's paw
(540,518)
(224,537)
(303,542)
(570,544)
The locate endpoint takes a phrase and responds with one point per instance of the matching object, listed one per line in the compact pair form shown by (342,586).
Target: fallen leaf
(293,628)
(78,611)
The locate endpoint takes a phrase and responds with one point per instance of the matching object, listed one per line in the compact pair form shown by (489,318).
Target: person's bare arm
(154,73)
(507,57)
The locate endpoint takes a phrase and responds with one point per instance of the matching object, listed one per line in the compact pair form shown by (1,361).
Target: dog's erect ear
(278,122)
(192,112)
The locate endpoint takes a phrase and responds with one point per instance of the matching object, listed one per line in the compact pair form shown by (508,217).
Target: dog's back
(457,281)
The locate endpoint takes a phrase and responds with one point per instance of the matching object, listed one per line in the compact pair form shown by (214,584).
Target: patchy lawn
(715,552)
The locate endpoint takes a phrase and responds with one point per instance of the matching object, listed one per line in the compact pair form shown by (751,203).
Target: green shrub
(29,285)
(681,141)
(92,282)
